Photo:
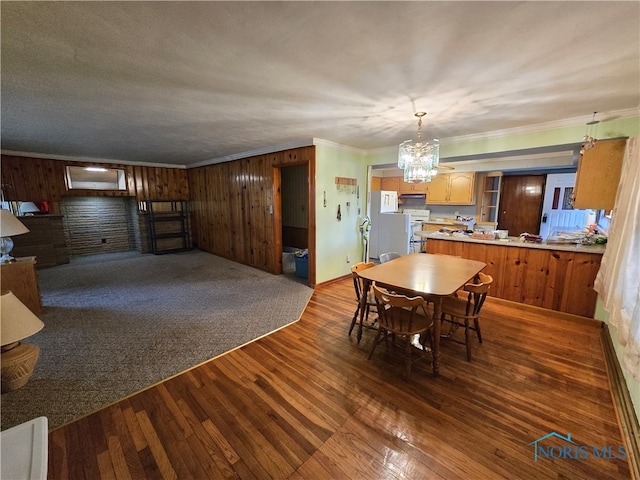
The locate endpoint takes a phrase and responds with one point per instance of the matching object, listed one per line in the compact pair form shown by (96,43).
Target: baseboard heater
(622,402)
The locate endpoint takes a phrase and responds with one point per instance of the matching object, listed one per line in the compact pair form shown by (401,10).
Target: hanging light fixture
(419,160)
(589,140)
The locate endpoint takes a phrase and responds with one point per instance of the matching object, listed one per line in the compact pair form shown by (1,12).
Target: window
(95,178)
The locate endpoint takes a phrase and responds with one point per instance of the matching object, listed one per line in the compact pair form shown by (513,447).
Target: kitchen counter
(515,242)
(433,225)
(556,276)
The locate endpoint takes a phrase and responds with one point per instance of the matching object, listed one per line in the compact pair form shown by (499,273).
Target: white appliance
(418,217)
(390,232)
(384,201)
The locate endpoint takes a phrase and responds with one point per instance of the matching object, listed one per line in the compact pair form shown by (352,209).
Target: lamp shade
(28,207)
(10,225)
(17,322)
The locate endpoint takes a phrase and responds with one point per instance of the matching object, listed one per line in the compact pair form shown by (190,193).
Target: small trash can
(302,266)
(288,264)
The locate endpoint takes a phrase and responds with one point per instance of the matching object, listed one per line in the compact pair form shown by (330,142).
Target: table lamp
(27,208)
(17,360)
(9,226)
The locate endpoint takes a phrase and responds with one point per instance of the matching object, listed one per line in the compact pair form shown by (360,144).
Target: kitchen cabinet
(397,184)
(390,183)
(560,280)
(413,188)
(599,174)
(451,189)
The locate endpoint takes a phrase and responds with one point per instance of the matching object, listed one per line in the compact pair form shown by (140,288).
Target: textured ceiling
(188,82)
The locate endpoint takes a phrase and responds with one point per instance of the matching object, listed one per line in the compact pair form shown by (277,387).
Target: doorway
(521,204)
(557,210)
(292,220)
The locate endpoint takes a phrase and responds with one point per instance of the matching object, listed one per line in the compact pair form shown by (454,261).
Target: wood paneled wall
(231,207)
(40,179)
(32,179)
(554,279)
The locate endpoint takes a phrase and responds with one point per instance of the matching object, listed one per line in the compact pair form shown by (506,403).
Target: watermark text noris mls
(572,450)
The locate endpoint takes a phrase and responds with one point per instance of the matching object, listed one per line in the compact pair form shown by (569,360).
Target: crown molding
(327,143)
(253,153)
(539,127)
(69,158)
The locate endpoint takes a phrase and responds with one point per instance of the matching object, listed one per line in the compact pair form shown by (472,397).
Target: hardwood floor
(305,403)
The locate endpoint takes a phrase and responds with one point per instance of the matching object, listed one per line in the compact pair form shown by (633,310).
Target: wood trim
(277,219)
(622,403)
(332,281)
(549,313)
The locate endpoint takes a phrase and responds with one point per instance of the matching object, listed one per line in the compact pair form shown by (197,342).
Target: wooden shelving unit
(490,200)
(169,226)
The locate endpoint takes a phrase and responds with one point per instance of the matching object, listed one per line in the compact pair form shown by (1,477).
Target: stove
(418,217)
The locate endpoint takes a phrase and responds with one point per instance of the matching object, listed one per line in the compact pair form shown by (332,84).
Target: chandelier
(419,160)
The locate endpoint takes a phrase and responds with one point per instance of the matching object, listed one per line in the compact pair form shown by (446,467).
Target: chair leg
(355,318)
(375,342)
(467,339)
(477,324)
(365,317)
(407,356)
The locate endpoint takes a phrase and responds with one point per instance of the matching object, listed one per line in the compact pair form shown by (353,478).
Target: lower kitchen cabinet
(555,279)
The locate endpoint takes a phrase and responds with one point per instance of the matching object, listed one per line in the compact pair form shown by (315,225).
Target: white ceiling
(189,82)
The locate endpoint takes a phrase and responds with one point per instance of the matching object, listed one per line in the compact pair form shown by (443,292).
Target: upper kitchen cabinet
(599,174)
(390,183)
(413,188)
(451,189)
(375,184)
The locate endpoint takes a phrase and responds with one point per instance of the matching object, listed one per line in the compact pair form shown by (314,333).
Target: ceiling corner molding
(327,143)
(539,127)
(382,150)
(253,153)
(69,158)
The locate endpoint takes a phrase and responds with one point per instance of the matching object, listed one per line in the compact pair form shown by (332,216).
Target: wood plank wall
(231,207)
(552,279)
(230,200)
(40,179)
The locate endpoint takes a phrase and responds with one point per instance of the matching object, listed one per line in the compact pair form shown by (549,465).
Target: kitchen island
(557,276)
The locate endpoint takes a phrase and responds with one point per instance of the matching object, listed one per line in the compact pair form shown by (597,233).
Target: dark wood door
(521,204)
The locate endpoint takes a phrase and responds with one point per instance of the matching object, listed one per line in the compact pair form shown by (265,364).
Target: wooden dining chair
(358,285)
(405,317)
(459,312)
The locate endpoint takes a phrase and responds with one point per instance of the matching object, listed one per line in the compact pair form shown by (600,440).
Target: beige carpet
(118,323)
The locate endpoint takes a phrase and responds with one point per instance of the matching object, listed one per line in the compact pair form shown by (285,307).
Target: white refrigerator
(390,231)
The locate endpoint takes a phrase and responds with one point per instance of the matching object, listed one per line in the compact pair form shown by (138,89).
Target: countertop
(515,242)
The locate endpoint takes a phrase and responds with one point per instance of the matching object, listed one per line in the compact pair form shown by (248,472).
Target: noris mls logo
(570,449)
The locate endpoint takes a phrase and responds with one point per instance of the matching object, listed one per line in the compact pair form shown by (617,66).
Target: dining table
(431,276)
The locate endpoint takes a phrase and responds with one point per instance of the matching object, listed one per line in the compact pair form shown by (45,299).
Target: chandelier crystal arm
(419,160)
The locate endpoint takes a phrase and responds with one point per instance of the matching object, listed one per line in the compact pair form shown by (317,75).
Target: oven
(418,217)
